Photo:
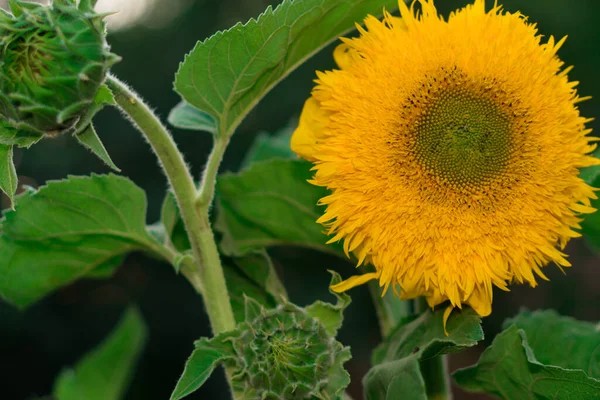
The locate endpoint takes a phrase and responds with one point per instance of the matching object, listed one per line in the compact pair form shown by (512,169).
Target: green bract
(53,61)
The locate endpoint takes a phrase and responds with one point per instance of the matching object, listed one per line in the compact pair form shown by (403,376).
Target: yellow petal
(312,122)
(447,313)
(353,281)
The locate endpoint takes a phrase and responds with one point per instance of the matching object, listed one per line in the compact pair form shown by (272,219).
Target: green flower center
(463,138)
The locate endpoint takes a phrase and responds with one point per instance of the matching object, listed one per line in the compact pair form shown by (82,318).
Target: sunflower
(452,150)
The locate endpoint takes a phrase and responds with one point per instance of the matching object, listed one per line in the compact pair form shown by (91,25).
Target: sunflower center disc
(463,137)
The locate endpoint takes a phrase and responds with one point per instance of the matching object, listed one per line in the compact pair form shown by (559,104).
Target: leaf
(20,135)
(417,339)
(591,223)
(270,204)
(268,147)
(509,369)
(105,372)
(227,74)
(67,229)
(253,276)
(8,173)
(331,316)
(90,140)
(387,381)
(184,116)
(199,367)
(87,5)
(561,341)
(425,337)
(105,96)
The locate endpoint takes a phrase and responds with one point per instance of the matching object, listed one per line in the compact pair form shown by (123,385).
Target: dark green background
(37,343)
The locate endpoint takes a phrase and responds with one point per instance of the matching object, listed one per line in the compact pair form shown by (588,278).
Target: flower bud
(53,61)
(286,353)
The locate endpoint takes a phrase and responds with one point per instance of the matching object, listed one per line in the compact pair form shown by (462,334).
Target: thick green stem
(434,370)
(207,276)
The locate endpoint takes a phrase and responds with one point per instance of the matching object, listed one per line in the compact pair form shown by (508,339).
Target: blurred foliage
(57,331)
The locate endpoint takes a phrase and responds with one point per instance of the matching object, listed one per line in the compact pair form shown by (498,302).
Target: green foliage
(278,353)
(261,52)
(105,372)
(509,369)
(68,229)
(89,139)
(268,147)
(184,116)
(591,222)
(269,204)
(253,276)
(330,315)
(397,360)
(561,341)
(86,134)
(8,174)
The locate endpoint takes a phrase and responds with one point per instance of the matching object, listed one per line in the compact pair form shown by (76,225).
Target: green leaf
(270,204)
(199,367)
(104,96)
(90,140)
(8,173)
(331,316)
(509,369)
(66,230)
(171,225)
(396,378)
(561,341)
(591,223)
(87,5)
(268,147)
(105,373)
(417,339)
(425,337)
(253,276)
(20,135)
(227,74)
(184,116)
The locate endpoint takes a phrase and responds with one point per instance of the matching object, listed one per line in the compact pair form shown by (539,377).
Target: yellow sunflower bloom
(452,150)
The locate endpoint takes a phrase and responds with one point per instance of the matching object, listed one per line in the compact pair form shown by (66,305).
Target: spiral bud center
(28,57)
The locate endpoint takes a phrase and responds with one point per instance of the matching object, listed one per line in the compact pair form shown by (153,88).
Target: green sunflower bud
(54,59)
(283,353)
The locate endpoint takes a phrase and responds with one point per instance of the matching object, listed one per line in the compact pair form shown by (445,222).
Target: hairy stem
(207,187)
(434,370)
(207,274)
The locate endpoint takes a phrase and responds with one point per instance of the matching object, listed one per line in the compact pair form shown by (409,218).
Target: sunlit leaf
(227,74)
